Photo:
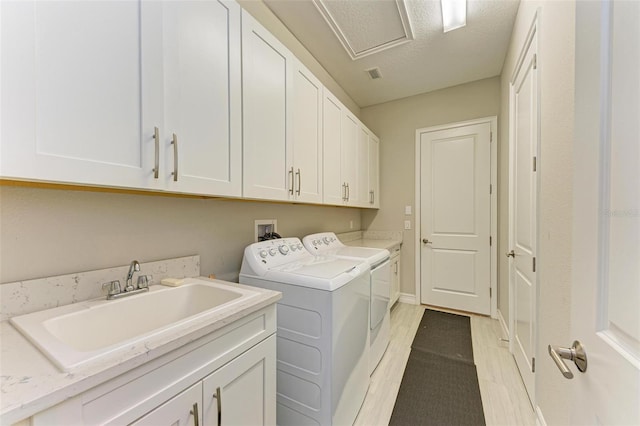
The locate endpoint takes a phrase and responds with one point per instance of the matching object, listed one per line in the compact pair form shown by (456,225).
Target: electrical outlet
(407,210)
(350,224)
(407,224)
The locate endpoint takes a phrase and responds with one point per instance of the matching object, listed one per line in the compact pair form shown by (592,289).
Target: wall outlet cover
(407,224)
(407,210)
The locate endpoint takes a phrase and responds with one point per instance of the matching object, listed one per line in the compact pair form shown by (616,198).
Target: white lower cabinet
(395,275)
(238,393)
(226,377)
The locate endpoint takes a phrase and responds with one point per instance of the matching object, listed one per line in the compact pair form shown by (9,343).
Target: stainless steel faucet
(135,267)
(116,292)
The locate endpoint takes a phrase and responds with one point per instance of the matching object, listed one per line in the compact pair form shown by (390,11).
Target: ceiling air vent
(374,73)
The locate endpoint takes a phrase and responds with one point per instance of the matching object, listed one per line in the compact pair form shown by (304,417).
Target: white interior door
(522,213)
(456,217)
(606,233)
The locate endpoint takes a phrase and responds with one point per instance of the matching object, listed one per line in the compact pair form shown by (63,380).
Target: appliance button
(299,246)
(273,251)
(326,240)
(263,253)
(293,247)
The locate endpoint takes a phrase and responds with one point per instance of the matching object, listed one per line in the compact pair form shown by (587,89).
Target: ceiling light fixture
(454,14)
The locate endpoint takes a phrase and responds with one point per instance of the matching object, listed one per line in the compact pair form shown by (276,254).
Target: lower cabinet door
(182,409)
(243,392)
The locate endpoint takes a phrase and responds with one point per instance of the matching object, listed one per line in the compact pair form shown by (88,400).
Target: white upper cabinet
(333,185)
(266,79)
(80,91)
(306,113)
(94,92)
(202,87)
(362,167)
(374,171)
(346,156)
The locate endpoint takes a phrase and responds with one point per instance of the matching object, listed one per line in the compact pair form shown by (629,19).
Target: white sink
(76,334)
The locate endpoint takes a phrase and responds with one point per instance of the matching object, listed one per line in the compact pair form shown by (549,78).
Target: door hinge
(490,293)
(535,61)
(490,189)
(491,136)
(533,365)
(490,241)
(534,264)
(535,164)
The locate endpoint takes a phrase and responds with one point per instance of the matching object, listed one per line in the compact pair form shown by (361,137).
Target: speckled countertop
(375,239)
(31,383)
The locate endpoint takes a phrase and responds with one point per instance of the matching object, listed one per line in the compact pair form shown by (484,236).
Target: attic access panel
(367,27)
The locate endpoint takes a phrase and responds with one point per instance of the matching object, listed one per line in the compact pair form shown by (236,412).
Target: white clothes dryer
(322,337)
(327,244)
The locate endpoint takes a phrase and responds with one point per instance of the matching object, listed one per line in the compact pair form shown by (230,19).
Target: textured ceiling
(432,61)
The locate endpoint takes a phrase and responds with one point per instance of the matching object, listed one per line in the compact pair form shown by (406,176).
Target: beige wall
(47,232)
(396,123)
(259,10)
(556,79)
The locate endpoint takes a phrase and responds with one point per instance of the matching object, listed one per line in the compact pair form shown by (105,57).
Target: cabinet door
(307,135)
(201,45)
(333,183)
(362,167)
(349,156)
(267,157)
(395,280)
(81,91)
(374,171)
(180,410)
(243,392)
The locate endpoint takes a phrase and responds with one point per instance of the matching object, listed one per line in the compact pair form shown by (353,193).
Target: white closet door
(333,184)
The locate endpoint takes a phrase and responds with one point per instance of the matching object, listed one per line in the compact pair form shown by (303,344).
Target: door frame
(493,252)
(534,33)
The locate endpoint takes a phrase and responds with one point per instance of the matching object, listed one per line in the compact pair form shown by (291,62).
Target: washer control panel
(270,253)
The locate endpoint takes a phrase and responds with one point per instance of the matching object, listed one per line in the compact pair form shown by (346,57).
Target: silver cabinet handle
(344,191)
(174,142)
(575,353)
(194,413)
(299,181)
(218,397)
(156,136)
(291,181)
(348,192)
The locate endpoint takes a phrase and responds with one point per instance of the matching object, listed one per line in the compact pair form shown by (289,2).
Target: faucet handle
(114,287)
(143,281)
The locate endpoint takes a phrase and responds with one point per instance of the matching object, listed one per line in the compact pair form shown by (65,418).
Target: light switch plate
(407,224)
(407,210)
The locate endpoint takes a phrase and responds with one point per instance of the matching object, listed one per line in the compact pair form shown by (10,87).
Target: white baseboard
(539,417)
(408,298)
(503,324)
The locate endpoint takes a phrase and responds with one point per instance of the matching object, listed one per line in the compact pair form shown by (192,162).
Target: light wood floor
(504,398)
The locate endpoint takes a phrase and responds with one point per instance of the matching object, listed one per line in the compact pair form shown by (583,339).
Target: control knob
(273,251)
(326,240)
(263,253)
(283,249)
(299,246)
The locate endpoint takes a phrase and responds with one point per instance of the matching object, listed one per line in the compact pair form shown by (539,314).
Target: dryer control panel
(322,242)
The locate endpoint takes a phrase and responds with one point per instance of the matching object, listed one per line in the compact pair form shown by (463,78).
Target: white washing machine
(322,338)
(327,244)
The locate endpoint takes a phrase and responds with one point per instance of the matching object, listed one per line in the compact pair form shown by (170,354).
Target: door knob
(575,353)
(424,240)
(511,254)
